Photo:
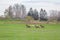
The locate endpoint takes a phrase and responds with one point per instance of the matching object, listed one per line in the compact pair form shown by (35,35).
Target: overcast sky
(38,4)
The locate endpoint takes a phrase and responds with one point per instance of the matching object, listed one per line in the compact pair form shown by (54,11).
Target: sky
(35,4)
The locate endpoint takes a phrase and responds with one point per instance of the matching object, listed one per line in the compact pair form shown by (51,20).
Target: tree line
(18,11)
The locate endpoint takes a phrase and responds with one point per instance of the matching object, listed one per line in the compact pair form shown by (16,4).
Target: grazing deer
(37,26)
(27,26)
(41,26)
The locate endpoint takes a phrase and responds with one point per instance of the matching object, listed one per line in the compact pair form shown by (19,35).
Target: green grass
(10,31)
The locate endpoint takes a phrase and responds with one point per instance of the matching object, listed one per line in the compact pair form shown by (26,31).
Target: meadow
(19,31)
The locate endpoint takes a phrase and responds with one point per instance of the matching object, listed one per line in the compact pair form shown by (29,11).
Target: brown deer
(41,26)
(28,26)
(36,26)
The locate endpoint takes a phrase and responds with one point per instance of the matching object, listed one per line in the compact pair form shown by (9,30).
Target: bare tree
(6,13)
(17,10)
(10,12)
(53,15)
(20,11)
(23,11)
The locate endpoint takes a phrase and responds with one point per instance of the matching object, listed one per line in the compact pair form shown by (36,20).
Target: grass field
(10,31)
